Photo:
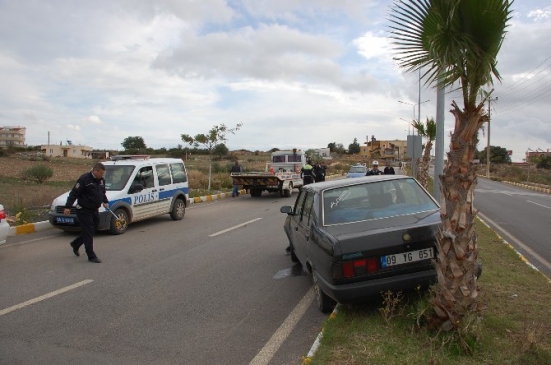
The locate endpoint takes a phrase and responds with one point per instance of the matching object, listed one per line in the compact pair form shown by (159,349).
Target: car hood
(381,233)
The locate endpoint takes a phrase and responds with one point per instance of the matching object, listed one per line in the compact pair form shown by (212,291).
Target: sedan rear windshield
(358,169)
(376,200)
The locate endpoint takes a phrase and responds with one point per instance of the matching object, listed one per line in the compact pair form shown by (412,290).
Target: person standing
(89,193)
(235,169)
(307,173)
(317,172)
(389,170)
(374,170)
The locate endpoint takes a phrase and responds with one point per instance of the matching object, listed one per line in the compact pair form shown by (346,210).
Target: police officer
(307,173)
(89,193)
(375,169)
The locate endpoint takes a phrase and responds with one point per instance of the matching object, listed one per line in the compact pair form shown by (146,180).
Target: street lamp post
(488,143)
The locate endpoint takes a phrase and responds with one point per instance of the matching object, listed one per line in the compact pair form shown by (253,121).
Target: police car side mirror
(136,188)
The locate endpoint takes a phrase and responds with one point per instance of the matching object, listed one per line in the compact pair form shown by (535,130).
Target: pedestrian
(307,173)
(317,172)
(323,171)
(235,169)
(374,170)
(89,193)
(389,170)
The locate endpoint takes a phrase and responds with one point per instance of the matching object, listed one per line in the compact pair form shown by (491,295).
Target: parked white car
(4,226)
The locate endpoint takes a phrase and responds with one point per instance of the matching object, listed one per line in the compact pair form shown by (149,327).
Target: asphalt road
(214,288)
(522,217)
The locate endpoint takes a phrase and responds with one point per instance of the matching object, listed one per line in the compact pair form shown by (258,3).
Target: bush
(38,173)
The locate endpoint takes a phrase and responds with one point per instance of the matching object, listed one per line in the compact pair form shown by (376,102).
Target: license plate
(65,220)
(406,257)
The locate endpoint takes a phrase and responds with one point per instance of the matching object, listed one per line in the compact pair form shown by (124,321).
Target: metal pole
(439,142)
(488,143)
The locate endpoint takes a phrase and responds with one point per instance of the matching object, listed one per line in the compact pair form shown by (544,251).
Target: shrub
(38,173)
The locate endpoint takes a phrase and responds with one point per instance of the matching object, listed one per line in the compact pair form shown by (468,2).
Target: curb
(530,187)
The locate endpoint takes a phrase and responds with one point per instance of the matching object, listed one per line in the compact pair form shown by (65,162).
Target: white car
(4,226)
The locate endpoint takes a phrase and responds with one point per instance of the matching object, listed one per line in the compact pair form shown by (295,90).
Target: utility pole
(488,143)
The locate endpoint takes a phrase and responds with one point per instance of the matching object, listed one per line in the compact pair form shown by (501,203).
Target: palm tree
(427,130)
(455,42)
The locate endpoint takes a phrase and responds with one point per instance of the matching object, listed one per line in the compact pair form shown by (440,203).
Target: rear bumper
(369,289)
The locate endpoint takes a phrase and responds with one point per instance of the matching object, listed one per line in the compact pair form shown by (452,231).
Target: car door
(145,202)
(301,224)
(165,194)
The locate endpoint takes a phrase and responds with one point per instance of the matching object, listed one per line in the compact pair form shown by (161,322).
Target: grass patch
(515,327)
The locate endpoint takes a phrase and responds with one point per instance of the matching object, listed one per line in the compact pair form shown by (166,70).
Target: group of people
(389,170)
(312,173)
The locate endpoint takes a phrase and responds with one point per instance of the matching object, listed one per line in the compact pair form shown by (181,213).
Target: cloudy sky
(296,73)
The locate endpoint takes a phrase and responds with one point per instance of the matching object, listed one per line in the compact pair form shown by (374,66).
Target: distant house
(324,153)
(391,150)
(12,136)
(67,150)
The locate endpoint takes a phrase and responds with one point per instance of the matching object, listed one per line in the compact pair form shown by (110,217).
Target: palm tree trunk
(424,163)
(456,293)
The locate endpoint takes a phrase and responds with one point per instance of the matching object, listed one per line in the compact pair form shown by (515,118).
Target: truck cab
(287,161)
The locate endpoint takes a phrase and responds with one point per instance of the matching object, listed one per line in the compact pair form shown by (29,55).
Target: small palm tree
(427,130)
(455,41)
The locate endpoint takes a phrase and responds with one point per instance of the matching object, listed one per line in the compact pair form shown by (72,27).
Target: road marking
(36,239)
(541,205)
(543,261)
(234,227)
(274,343)
(44,297)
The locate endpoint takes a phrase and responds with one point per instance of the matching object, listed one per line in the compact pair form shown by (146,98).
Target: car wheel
(120,224)
(325,303)
(288,192)
(178,210)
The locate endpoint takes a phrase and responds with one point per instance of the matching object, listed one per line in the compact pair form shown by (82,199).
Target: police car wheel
(119,226)
(178,210)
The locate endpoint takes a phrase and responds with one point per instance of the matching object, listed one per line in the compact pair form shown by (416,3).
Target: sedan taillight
(2,215)
(359,267)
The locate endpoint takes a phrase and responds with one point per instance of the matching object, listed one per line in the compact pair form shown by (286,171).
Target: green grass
(515,327)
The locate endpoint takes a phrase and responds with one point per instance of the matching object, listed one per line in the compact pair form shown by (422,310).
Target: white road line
(28,241)
(44,297)
(274,343)
(512,239)
(544,206)
(234,227)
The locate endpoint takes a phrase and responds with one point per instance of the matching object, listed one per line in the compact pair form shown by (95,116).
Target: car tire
(119,226)
(288,192)
(178,210)
(324,302)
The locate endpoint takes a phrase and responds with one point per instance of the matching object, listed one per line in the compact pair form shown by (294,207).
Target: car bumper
(367,290)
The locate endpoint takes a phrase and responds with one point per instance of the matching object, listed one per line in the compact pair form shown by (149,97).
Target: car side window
(145,177)
(308,204)
(163,175)
(299,204)
(178,172)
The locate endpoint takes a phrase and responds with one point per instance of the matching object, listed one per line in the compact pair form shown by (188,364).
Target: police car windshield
(116,176)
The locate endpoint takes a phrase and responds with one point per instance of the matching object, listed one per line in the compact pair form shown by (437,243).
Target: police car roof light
(129,157)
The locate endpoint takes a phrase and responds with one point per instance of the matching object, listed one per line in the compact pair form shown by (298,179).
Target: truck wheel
(288,192)
(178,210)
(324,302)
(120,224)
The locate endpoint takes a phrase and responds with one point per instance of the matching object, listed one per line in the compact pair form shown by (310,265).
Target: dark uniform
(89,192)
(235,169)
(307,174)
(317,172)
(389,170)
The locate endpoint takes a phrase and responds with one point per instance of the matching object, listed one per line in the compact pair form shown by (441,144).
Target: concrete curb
(539,189)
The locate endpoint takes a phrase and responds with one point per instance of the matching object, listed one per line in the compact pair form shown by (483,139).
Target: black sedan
(359,237)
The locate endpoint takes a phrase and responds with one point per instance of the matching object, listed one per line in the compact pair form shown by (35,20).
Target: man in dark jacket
(89,193)
(235,169)
(375,170)
(389,170)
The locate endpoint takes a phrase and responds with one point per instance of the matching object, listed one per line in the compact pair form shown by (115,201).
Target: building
(67,150)
(530,155)
(391,150)
(324,153)
(12,136)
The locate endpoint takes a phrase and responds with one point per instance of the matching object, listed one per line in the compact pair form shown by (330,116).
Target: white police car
(4,225)
(137,187)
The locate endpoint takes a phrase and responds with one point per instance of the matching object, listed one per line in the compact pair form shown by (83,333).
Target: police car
(137,187)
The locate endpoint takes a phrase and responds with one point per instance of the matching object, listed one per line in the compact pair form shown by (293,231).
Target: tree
(427,130)
(133,143)
(221,150)
(543,162)
(454,41)
(498,155)
(213,138)
(354,147)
